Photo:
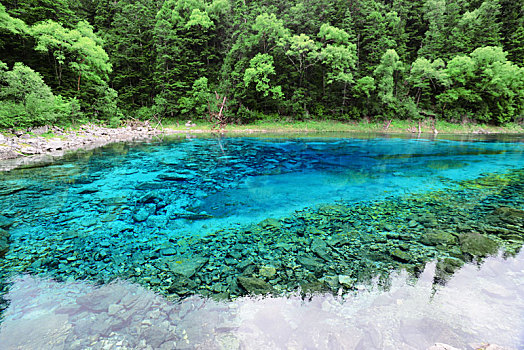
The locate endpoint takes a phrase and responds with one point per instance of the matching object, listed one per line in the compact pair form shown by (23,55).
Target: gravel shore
(22,148)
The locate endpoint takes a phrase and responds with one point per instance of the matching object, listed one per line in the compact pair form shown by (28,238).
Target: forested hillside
(66,61)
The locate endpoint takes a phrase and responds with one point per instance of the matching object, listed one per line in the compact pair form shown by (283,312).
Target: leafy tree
(130,45)
(436,38)
(33,11)
(380,30)
(268,31)
(386,77)
(339,56)
(11,25)
(484,86)
(477,28)
(184,34)
(363,98)
(427,78)
(25,100)
(512,29)
(13,33)
(78,60)
(197,101)
(460,97)
(261,67)
(78,49)
(299,58)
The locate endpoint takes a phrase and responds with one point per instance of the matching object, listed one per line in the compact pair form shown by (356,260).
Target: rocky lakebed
(163,229)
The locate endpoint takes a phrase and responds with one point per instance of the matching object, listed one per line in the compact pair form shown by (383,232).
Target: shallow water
(224,217)
(479,305)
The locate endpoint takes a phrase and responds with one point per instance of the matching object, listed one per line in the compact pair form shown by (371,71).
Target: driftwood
(220,119)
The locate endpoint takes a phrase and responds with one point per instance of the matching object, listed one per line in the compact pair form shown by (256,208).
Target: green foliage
(33,11)
(338,54)
(10,24)
(131,49)
(484,85)
(185,34)
(79,49)
(427,78)
(364,86)
(197,100)
(386,76)
(101,59)
(261,67)
(25,99)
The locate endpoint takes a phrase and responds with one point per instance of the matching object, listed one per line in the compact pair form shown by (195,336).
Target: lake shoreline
(46,143)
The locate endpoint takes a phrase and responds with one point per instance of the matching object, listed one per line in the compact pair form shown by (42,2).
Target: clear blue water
(226,217)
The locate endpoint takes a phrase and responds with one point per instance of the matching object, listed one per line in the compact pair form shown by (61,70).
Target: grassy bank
(396,126)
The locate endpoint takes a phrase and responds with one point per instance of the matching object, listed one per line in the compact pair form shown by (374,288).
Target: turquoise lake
(293,242)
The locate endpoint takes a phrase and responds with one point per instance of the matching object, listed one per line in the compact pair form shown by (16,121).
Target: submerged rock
(175,177)
(254,285)
(412,224)
(271,224)
(509,212)
(182,286)
(400,255)
(476,244)
(4,242)
(141,215)
(313,287)
(428,220)
(508,215)
(345,280)
(168,251)
(438,237)
(310,263)
(267,271)
(320,248)
(188,268)
(5,222)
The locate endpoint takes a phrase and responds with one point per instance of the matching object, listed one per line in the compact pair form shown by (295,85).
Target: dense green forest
(66,61)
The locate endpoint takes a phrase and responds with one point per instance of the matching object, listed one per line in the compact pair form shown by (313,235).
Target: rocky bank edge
(22,148)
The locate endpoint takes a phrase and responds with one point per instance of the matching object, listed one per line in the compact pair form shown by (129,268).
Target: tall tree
(387,75)
(129,42)
(184,32)
(339,57)
(33,11)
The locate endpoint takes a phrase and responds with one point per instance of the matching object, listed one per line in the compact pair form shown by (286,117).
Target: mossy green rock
(400,255)
(267,271)
(310,263)
(438,238)
(182,286)
(320,248)
(476,244)
(508,215)
(254,285)
(509,212)
(313,287)
(188,268)
(446,268)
